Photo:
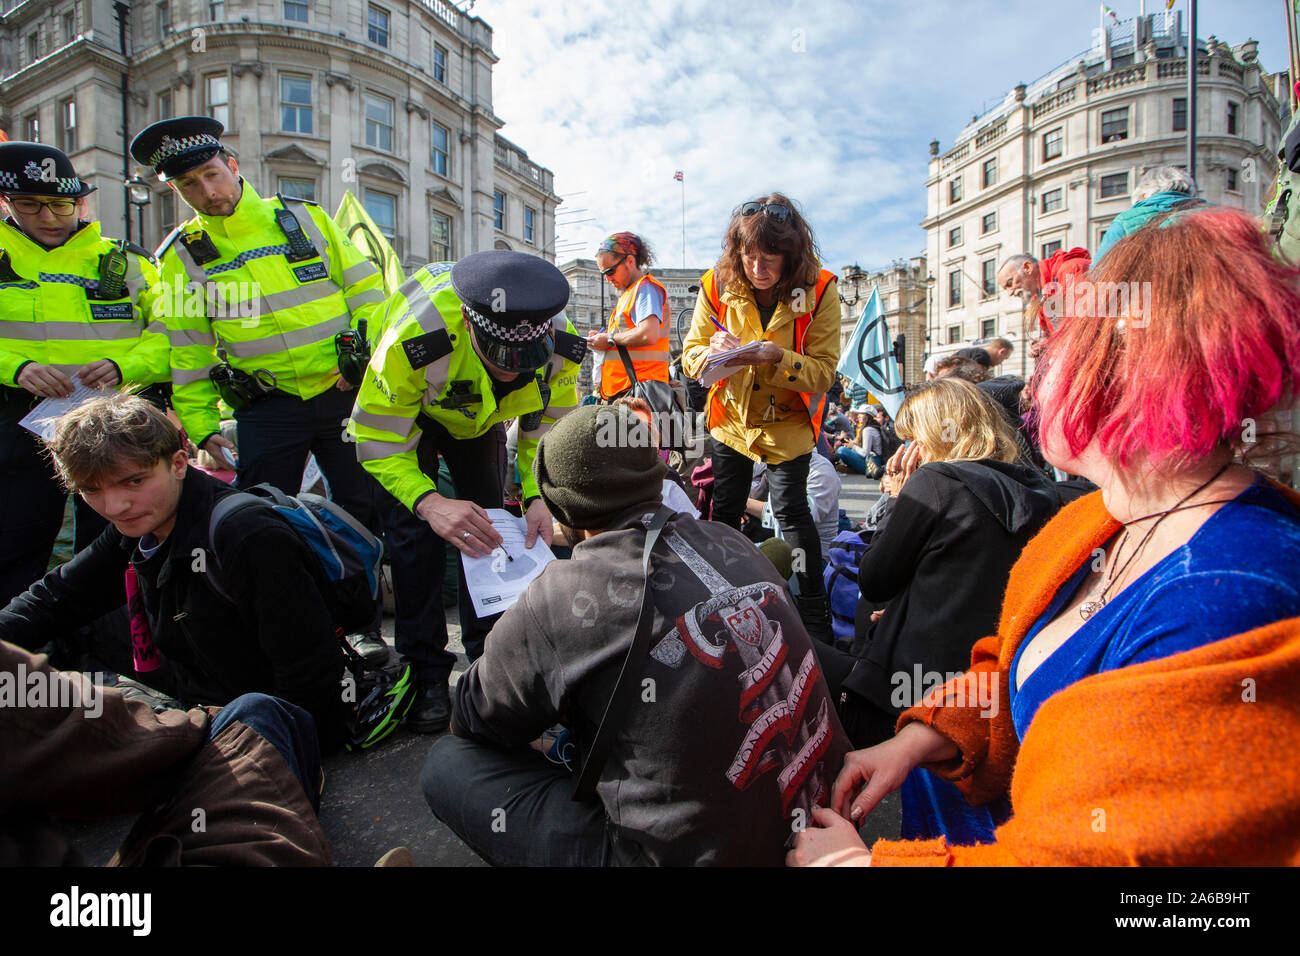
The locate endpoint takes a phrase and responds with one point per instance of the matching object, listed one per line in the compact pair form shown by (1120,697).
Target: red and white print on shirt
(781,737)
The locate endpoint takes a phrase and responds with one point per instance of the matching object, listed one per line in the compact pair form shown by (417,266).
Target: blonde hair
(952,420)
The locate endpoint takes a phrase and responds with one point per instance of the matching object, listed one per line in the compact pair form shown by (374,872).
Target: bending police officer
(464,348)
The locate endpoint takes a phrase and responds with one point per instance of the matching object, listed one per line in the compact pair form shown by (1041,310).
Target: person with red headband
(634,346)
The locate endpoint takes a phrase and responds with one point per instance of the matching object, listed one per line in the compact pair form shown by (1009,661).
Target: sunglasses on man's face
(612,269)
(32,207)
(778,211)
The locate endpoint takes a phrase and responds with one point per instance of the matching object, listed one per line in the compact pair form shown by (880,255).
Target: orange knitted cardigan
(1189,760)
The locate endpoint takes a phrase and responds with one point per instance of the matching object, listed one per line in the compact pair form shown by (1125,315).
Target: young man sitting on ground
(729,737)
(274,635)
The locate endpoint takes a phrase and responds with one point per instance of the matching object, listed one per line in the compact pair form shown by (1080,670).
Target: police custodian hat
(509,299)
(34,169)
(175,146)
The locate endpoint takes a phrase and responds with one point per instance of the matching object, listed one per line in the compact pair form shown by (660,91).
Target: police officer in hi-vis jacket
(75,308)
(276,328)
(463,348)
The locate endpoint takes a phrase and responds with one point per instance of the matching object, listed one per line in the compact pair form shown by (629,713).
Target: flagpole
(683,181)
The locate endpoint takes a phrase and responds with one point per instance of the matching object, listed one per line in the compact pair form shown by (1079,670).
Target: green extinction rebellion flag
(357,225)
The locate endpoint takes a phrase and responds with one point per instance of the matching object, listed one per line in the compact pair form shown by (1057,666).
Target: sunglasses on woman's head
(778,211)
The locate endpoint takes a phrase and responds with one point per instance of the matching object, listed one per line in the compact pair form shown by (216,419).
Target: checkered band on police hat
(521,333)
(169,147)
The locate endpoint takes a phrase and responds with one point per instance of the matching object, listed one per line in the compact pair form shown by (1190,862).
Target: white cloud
(830,101)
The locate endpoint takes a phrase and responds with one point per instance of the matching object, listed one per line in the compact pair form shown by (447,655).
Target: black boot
(431,712)
(814,610)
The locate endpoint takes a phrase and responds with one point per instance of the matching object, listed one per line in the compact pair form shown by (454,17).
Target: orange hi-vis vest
(650,362)
(815,404)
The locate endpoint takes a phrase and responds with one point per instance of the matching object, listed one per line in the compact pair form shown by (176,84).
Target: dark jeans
(418,557)
(513,807)
(864,722)
(276,435)
(787,483)
(287,727)
(31,508)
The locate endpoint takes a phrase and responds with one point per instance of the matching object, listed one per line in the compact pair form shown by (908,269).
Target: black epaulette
(427,348)
(166,243)
(570,346)
(289,199)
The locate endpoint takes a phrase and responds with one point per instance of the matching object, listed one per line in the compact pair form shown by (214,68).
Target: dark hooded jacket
(942,562)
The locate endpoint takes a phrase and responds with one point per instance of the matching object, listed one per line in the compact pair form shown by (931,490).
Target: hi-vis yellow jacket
(266,311)
(52,315)
(425,363)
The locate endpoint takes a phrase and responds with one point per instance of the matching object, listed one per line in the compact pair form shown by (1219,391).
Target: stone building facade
(391,99)
(1052,165)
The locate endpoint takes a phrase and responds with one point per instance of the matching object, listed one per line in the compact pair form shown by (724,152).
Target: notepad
(717,367)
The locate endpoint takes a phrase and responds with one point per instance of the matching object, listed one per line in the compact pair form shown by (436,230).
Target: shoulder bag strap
(625,686)
(627,363)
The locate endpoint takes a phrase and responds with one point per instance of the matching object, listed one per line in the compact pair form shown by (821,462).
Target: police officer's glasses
(32,207)
(778,211)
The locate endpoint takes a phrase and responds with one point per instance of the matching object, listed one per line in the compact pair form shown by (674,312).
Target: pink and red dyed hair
(1212,340)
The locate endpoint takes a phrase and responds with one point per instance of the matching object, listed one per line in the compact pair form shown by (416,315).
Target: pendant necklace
(1088,608)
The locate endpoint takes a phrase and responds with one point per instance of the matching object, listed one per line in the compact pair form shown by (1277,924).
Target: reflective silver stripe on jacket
(394,424)
(188,376)
(287,341)
(68,331)
(377,448)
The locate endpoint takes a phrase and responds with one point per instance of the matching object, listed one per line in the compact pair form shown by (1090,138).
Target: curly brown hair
(792,238)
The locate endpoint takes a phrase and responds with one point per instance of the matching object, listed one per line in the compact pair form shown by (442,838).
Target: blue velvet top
(1239,571)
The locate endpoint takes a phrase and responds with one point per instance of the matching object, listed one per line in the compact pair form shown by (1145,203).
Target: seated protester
(889,440)
(86,752)
(823,501)
(962,367)
(183,638)
(965,508)
(1005,390)
(837,424)
(864,453)
(1149,644)
(741,660)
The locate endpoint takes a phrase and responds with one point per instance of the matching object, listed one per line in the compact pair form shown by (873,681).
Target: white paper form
(495,582)
(716,368)
(43,420)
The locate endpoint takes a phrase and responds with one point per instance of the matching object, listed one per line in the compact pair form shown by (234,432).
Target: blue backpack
(348,554)
(841,580)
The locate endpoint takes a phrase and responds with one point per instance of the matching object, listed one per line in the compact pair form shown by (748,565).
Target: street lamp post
(140,197)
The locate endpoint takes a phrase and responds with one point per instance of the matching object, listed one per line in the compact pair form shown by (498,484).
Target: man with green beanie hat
(730,737)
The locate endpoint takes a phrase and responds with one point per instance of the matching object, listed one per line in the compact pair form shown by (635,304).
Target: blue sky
(832,102)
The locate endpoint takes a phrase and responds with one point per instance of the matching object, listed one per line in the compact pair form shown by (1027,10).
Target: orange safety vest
(649,362)
(815,404)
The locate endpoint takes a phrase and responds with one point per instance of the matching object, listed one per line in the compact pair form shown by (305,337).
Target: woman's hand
(913,458)
(880,770)
(723,342)
(833,841)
